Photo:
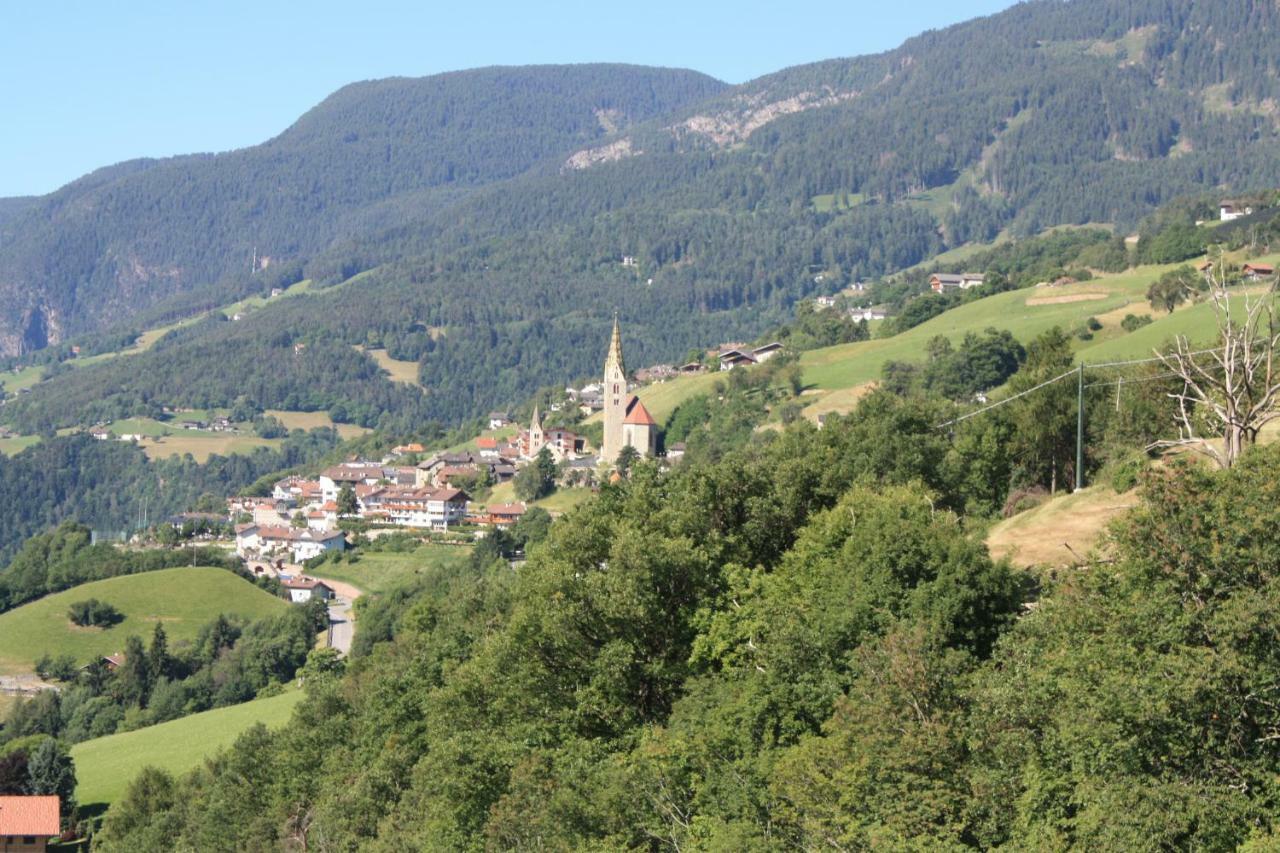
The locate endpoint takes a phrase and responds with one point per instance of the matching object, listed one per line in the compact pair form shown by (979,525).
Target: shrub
(1133,322)
(61,668)
(1125,472)
(1021,500)
(93,613)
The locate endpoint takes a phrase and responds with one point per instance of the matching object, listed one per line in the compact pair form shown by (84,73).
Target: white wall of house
(304,550)
(328,489)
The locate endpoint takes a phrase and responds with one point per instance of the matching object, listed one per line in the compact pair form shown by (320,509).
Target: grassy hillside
(380,571)
(183,599)
(1061,531)
(837,376)
(105,766)
(1026,313)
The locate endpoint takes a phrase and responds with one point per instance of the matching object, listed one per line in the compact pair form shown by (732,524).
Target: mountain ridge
(99,233)
(1092,111)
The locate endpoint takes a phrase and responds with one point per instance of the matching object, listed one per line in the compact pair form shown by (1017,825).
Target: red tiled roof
(638,414)
(486,443)
(37,816)
(1264,269)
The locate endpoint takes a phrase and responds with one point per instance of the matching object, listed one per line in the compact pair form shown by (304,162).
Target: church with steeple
(626,421)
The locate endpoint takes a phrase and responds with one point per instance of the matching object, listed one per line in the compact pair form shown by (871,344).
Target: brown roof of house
(448,494)
(507,509)
(638,414)
(1264,269)
(290,534)
(39,816)
(302,583)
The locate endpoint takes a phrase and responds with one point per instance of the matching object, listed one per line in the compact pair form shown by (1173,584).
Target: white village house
(266,541)
(303,589)
(435,509)
(348,474)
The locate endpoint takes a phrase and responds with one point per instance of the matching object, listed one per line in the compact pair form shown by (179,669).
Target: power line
(1146,360)
(1133,381)
(1072,372)
(1000,403)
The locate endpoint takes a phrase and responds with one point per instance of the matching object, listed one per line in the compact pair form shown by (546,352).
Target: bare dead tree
(1229,391)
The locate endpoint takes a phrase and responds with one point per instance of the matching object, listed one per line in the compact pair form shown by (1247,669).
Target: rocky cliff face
(29,329)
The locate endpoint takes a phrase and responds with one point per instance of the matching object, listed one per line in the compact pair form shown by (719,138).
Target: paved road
(342,627)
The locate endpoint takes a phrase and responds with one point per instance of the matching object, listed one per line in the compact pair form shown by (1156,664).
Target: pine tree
(347,504)
(50,770)
(158,662)
(133,676)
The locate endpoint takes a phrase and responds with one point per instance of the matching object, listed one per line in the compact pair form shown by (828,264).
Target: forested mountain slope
(126,237)
(500,277)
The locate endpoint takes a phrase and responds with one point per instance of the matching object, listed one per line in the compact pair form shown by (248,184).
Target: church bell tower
(615,398)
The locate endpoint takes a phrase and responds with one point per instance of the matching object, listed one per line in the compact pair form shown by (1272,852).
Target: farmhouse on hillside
(729,359)
(1229,209)
(766,352)
(1257,272)
(944,282)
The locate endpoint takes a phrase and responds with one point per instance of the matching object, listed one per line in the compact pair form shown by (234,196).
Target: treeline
(109,484)
(799,644)
(65,557)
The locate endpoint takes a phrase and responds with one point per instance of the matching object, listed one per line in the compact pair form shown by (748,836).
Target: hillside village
(963,536)
(301,519)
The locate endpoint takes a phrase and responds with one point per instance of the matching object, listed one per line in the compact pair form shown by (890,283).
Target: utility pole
(1080,427)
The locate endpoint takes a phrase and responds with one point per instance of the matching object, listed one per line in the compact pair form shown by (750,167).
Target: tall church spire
(615,398)
(614,358)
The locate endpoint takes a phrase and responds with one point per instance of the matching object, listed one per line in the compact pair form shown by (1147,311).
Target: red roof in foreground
(638,414)
(29,816)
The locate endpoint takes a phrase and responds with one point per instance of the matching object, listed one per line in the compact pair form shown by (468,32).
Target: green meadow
(182,599)
(105,766)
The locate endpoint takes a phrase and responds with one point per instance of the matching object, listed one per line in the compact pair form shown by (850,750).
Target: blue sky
(86,83)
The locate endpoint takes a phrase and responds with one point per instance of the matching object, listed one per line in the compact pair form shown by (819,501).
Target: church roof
(638,414)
